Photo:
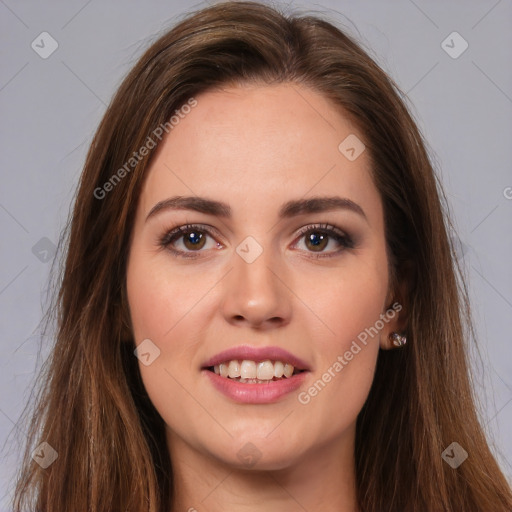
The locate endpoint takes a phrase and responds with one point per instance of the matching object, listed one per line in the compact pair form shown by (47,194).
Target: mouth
(256,375)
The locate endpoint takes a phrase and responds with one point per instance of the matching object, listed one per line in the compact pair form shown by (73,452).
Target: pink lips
(260,393)
(265,393)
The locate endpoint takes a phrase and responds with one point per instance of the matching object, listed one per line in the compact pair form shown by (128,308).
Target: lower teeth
(253,381)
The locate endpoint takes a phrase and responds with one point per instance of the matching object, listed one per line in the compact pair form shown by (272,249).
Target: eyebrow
(288,210)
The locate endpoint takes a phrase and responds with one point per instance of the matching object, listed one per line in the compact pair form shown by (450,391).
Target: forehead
(259,144)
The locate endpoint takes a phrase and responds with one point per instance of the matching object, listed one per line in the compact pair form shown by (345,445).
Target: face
(228,296)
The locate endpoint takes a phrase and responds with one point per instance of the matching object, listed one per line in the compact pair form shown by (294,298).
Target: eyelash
(344,240)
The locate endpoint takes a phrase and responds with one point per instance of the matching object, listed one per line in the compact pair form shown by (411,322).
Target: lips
(255,375)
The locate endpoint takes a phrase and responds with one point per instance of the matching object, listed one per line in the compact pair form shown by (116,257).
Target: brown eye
(318,238)
(194,240)
(189,241)
(316,241)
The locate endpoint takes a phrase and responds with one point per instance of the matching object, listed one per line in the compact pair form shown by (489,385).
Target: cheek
(169,309)
(159,298)
(351,307)
(349,302)
(161,307)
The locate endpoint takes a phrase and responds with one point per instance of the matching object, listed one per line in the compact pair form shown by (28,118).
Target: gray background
(51,107)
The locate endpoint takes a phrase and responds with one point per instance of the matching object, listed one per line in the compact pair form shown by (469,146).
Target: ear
(395,314)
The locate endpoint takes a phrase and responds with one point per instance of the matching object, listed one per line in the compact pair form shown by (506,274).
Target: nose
(256,293)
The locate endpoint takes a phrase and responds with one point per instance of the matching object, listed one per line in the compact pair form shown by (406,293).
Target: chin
(257,453)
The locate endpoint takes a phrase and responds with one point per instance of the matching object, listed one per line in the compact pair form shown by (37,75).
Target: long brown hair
(93,409)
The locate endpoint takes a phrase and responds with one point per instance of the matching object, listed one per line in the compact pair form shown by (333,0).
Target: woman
(259,308)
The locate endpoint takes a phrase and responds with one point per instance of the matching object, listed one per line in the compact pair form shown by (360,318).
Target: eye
(319,237)
(186,240)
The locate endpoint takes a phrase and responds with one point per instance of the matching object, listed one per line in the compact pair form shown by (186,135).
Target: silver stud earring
(397,339)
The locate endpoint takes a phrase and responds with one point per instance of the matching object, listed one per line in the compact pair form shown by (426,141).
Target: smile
(255,375)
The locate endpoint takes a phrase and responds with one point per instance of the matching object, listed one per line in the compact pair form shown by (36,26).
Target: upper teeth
(264,370)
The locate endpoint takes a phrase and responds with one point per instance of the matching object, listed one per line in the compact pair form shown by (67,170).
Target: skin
(256,147)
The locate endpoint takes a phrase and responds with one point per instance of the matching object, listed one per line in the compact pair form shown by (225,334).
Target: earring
(397,339)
